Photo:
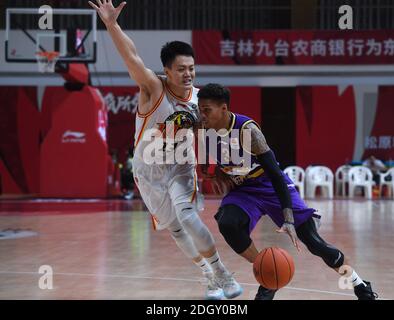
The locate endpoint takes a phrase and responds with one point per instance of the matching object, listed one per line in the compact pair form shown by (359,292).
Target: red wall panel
(325,126)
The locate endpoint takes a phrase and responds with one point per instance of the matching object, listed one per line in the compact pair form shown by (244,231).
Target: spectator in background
(376,167)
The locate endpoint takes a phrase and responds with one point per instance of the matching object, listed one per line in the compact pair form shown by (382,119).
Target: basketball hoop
(47,60)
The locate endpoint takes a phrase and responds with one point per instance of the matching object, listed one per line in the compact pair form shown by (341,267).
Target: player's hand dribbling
(106,10)
(290,230)
(220,182)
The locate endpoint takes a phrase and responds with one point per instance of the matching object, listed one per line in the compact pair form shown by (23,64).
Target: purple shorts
(257,197)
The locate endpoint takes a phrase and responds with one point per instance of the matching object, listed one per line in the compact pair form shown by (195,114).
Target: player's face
(212,113)
(182,72)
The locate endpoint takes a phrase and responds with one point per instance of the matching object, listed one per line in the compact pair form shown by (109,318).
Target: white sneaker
(213,292)
(226,281)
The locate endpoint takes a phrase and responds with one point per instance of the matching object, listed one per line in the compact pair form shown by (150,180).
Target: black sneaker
(265,294)
(365,292)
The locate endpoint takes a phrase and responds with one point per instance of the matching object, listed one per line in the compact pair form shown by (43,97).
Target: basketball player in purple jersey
(261,188)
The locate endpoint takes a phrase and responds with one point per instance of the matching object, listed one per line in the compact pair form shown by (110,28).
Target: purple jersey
(254,192)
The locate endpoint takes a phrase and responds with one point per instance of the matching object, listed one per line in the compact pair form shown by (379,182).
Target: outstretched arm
(145,78)
(259,147)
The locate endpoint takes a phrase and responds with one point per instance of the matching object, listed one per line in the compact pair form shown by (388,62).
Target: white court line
(175,279)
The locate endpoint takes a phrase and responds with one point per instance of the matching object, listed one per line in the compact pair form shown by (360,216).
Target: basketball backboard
(71,32)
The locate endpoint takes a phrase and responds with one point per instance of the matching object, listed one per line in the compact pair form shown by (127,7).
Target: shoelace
(209,282)
(228,280)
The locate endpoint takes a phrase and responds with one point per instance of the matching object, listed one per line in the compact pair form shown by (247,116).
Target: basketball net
(46,61)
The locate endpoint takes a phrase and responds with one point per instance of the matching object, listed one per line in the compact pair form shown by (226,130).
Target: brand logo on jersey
(180,120)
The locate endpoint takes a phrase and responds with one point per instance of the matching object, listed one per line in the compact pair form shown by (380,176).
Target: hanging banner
(293,47)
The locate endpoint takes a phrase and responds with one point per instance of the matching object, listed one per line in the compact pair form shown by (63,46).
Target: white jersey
(163,186)
(167,108)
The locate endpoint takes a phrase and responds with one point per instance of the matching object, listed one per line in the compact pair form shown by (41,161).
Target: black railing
(367,14)
(228,14)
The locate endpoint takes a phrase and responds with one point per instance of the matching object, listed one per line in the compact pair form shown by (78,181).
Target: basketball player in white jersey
(170,190)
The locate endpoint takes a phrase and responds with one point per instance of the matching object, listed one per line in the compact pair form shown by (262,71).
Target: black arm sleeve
(271,168)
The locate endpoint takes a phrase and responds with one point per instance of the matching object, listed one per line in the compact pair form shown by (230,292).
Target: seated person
(376,167)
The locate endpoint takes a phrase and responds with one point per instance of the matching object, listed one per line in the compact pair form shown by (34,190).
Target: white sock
(204,266)
(356,280)
(216,264)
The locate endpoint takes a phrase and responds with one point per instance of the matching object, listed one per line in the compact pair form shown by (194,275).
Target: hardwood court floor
(107,250)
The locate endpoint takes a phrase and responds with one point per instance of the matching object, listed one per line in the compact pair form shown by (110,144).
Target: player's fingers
(298,246)
(221,187)
(120,7)
(280,230)
(295,242)
(99,2)
(215,187)
(93,5)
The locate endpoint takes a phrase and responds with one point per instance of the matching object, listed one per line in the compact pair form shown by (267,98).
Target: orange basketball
(273,268)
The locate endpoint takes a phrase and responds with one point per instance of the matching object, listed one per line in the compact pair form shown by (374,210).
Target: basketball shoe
(213,292)
(365,292)
(226,281)
(265,294)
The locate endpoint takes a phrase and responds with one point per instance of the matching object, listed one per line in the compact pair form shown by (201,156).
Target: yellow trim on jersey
(177,97)
(195,187)
(154,223)
(142,130)
(256,174)
(155,106)
(231,127)
(241,136)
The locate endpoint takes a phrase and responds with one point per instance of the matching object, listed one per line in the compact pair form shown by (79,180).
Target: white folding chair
(360,176)
(389,184)
(297,175)
(320,176)
(341,178)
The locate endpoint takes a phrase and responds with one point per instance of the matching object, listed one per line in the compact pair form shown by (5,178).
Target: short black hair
(216,92)
(173,49)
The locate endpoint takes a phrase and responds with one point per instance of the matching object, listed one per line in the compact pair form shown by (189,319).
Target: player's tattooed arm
(259,146)
(254,140)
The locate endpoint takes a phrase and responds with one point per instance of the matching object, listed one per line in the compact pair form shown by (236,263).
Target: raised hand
(106,10)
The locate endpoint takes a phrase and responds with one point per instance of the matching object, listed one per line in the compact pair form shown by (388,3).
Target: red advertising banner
(122,104)
(293,47)
(379,142)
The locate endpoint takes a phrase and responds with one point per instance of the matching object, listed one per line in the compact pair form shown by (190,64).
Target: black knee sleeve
(308,234)
(233,224)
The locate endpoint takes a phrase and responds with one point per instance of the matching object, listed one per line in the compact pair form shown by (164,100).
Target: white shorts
(164,186)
